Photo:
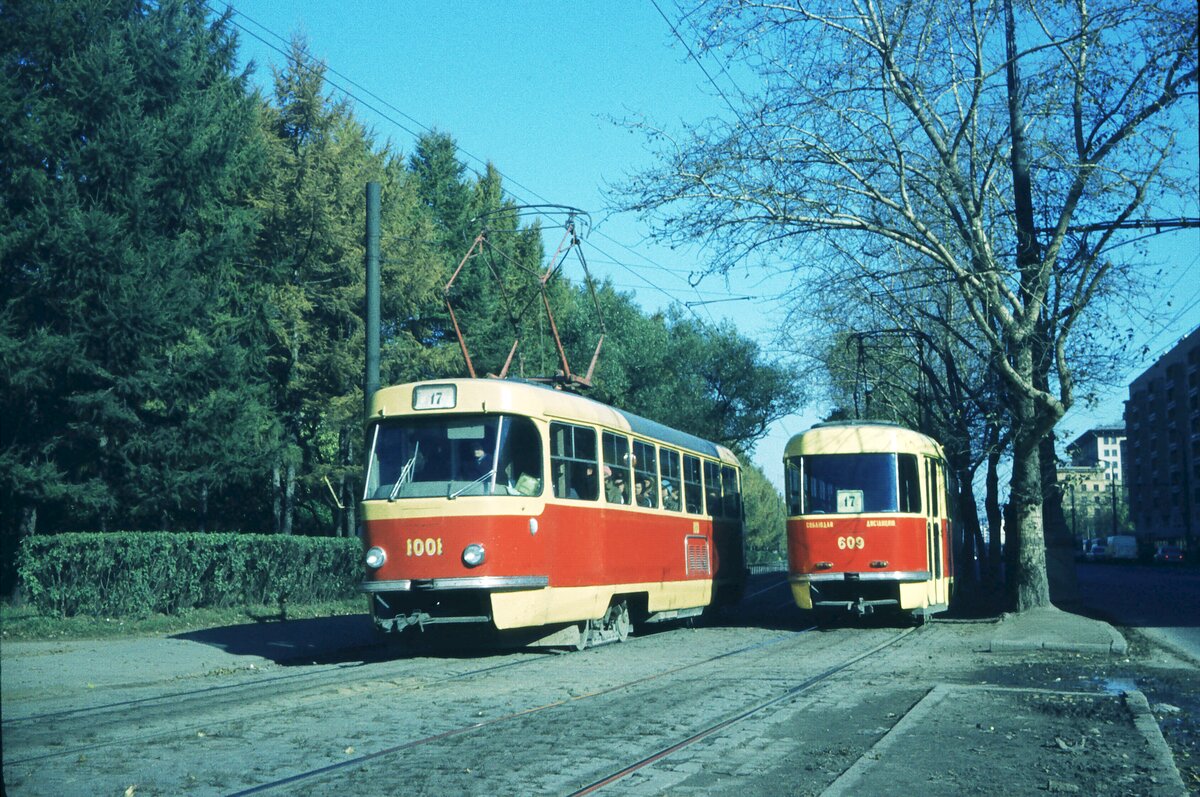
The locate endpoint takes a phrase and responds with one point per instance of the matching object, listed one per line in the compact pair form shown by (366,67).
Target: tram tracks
(436,731)
(183,711)
(482,725)
(428,762)
(746,714)
(155,721)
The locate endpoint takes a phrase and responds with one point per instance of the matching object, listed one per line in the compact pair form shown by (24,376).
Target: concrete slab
(1050,628)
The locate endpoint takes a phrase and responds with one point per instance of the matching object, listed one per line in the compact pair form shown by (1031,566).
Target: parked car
(1098,553)
(1168,554)
(1121,547)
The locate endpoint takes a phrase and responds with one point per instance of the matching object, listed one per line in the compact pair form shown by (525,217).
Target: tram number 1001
(426,547)
(845,543)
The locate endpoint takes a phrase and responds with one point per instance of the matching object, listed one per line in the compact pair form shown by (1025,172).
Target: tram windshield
(449,456)
(852,483)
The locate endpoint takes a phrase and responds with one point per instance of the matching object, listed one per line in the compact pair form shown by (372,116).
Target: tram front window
(851,483)
(450,456)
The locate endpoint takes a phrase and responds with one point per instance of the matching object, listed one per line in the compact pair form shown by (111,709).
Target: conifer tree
(128,146)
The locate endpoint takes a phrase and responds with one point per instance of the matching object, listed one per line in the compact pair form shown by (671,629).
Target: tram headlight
(375,557)
(473,555)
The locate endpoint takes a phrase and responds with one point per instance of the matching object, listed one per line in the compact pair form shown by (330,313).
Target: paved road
(1161,601)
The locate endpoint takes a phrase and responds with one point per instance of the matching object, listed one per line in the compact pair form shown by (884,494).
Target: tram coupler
(859,607)
(421,619)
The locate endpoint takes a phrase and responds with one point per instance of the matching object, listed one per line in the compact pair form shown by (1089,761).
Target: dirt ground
(933,713)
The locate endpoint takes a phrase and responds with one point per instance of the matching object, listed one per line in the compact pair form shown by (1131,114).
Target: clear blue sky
(536,87)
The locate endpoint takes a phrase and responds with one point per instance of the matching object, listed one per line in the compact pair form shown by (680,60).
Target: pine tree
(127,147)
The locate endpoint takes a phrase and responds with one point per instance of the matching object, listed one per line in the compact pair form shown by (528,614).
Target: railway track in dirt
(746,714)
(38,737)
(491,724)
(519,722)
(636,718)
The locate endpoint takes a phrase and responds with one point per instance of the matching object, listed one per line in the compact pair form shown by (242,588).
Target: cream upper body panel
(535,401)
(850,438)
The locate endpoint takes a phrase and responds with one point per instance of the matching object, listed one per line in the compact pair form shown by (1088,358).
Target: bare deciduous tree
(977,136)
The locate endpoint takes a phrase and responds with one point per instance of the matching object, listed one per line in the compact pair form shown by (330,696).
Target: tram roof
(540,400)
(848,437)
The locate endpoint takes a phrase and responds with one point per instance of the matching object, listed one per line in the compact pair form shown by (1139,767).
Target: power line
(328,70)
(704,69)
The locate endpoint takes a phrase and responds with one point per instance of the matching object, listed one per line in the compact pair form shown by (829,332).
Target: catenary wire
(416,134)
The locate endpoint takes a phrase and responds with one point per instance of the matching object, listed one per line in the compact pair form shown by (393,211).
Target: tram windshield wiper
(485,477)
(406,473)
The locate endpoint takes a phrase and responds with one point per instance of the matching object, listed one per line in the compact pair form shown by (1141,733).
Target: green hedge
(134,574)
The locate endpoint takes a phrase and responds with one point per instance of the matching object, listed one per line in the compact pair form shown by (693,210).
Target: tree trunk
(203,508)
(26,529)
(1029,586)
(968,560)
(991,505)
(348,500)
(289,498)
(277,496)
(345,526)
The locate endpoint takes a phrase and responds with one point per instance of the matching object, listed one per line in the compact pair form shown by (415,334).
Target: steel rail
(358,761)
(709,731)
(243,692)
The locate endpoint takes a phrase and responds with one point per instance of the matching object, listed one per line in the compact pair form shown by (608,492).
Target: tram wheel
(618,620)
(585,633)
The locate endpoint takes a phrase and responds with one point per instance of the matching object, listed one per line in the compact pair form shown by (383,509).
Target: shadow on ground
(323,640)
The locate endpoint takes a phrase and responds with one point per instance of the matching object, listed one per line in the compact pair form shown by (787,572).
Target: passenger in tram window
(622,489)
(584,484)
(651,492)
(614,487)
(670,497)
(643,493)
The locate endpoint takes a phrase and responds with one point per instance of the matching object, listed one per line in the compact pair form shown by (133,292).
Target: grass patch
(26,624)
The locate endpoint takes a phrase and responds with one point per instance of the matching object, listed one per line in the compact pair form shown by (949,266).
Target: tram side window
(791,485)
(733,496)
(617,474)
(937,490)
(519,458)
(645,474)
(934,468)
(672,482)
(712,488)
(573,462)
(693,492)
(910,483)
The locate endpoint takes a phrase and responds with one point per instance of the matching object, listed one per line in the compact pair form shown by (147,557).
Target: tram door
(933,530)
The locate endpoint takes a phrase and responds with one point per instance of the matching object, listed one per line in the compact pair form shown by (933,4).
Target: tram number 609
(851,543)
(426,547)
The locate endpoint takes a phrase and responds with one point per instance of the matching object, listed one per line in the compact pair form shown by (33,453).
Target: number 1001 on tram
(868,525)
(510,505)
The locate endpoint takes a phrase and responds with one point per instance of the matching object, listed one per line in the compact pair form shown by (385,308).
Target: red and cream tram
(517,506)
(868,520)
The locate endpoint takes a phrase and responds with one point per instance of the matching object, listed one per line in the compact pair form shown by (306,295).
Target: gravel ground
(931,713)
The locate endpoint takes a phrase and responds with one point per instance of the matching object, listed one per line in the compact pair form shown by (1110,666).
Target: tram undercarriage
(857,597)
(394,613)
(860,598)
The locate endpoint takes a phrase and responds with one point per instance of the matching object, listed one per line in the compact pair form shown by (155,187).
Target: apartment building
(1162,453)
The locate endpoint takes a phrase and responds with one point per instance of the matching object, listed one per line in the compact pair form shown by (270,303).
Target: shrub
(134,574)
